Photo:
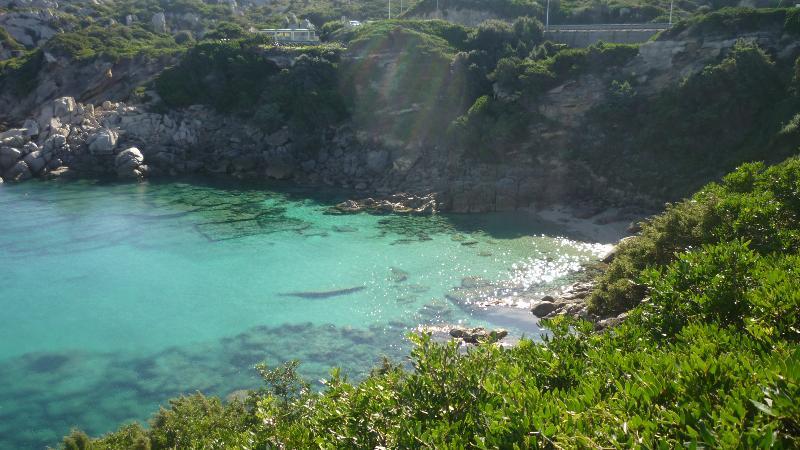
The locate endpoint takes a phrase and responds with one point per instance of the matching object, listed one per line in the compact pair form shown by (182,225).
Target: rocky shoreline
(69,138)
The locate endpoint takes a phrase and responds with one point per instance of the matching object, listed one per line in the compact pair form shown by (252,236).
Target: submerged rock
(397,203)
(324,294)
(398,275)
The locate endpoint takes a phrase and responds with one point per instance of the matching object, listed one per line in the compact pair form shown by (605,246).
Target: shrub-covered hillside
(584,11)
(710,360)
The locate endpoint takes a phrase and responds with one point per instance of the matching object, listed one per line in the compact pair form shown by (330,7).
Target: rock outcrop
(396,203)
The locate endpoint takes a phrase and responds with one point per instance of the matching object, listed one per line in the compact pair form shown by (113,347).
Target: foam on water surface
(116,297)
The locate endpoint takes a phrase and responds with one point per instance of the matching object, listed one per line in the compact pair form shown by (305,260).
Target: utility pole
(390,9)
(437,9)
(547,17)
(671,2)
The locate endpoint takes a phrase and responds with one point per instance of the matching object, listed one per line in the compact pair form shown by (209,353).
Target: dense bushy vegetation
(754,204)
(238,77)
(710,360)
(19,75)
(113,42)
(735,21)
(584,11)
(690,132)
(494,124)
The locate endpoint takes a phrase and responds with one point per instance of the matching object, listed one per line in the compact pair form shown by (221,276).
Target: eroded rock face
(30,28)
(159,23)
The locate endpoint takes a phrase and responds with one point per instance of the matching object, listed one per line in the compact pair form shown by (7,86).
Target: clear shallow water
(116,297)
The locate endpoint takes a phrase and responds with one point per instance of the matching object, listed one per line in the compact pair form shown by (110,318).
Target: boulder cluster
(64,133)
(477,335)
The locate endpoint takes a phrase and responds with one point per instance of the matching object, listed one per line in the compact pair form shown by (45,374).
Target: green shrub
(197,421)
(755,204)
(237,76)
(735,21)
(226,75)
(489,128)
(114,42)
(183,37)
(227,30)
(20,75)
(669,145)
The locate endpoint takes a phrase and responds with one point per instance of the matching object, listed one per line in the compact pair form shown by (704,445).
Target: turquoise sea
(116,297)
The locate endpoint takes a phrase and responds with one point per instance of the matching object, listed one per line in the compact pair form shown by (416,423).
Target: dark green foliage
(495,126)
(327,30)
(490,128)
(532,77)
(728,284)
(183,37)
(77,440)
(197,421)
(20,74)
(410,90)
(497,39)
(227,30)
(237,76)
(792,22)
(706,385)
(738,109)
(226,75)
(754,204)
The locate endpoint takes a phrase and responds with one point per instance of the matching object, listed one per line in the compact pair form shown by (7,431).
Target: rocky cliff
(90,137)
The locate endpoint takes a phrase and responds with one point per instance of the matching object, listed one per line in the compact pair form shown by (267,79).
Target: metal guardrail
(609,27)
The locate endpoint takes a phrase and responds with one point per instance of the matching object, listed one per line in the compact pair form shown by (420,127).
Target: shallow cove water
(116,297)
